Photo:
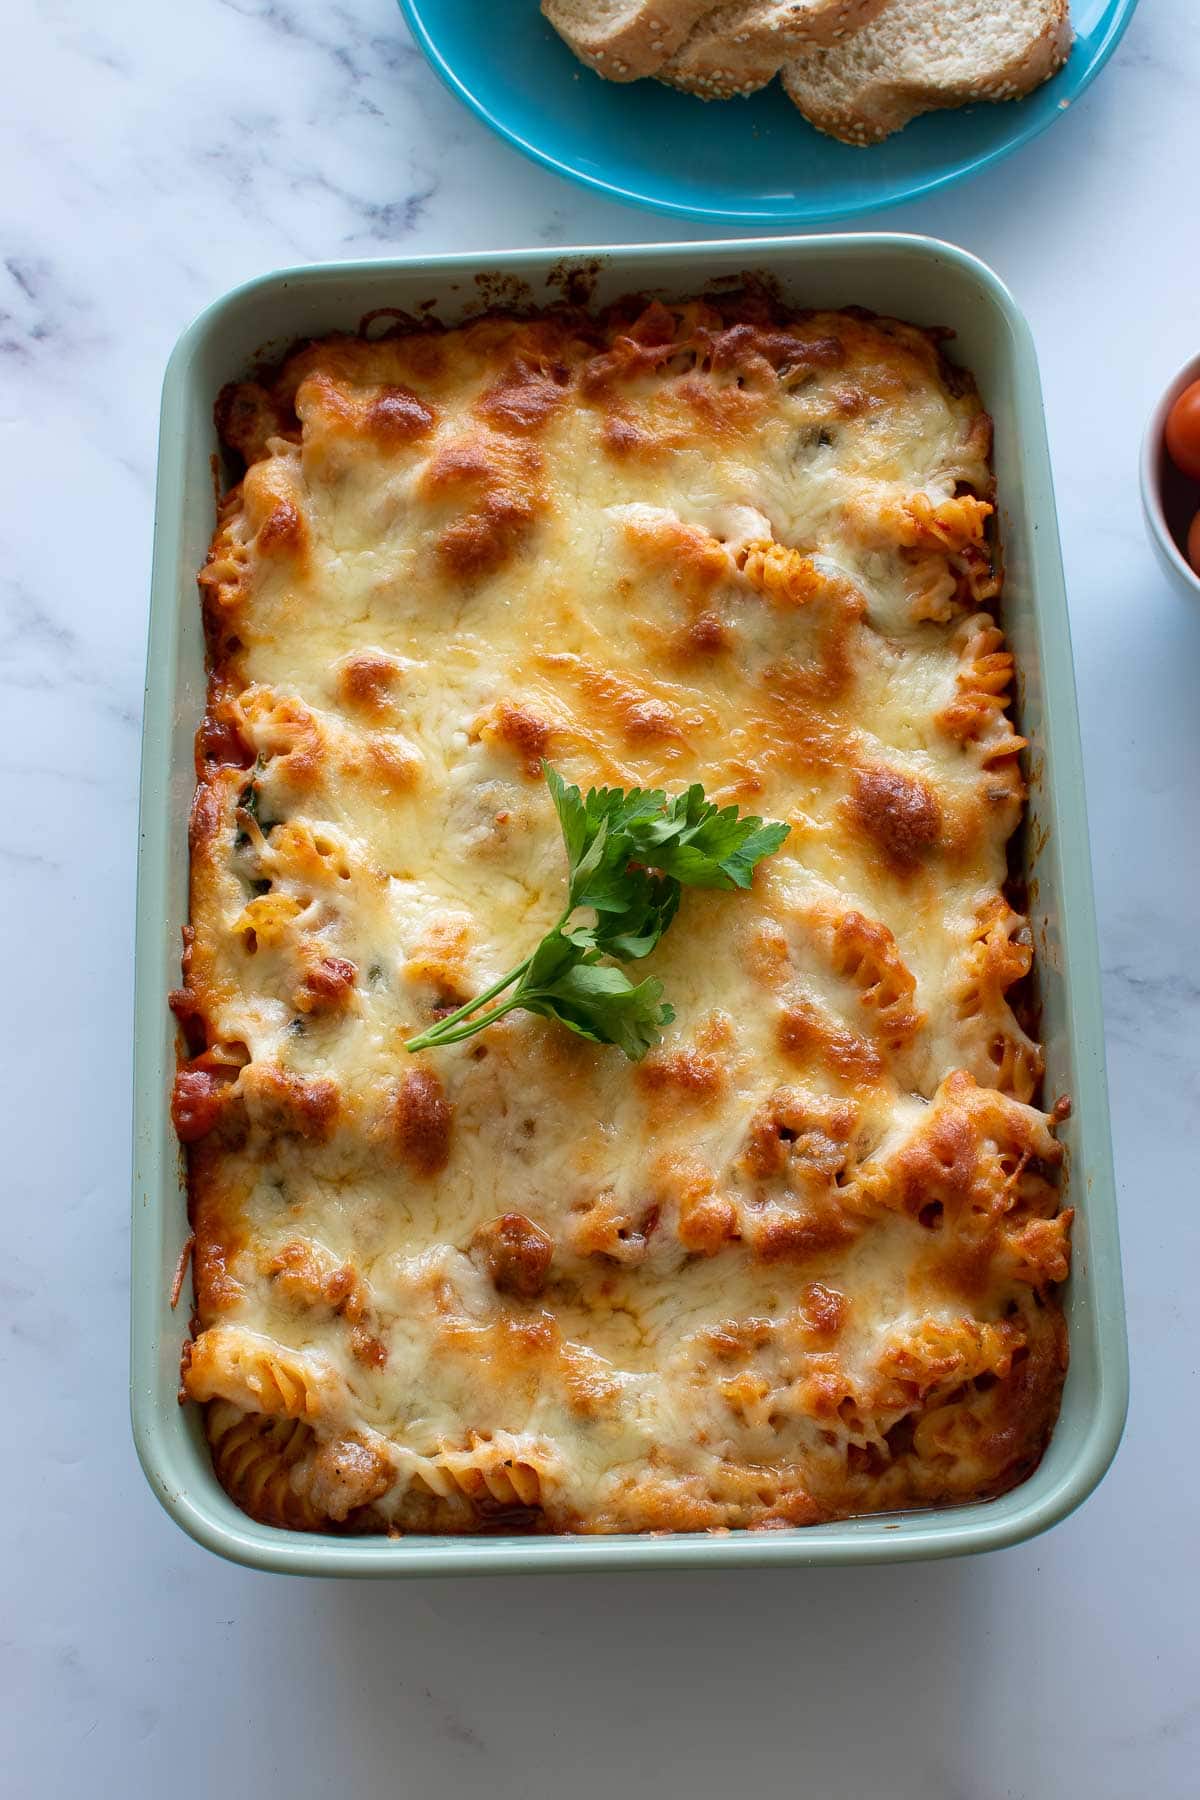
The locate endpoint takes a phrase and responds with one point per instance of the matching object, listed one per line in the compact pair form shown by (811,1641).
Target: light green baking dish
(913,278)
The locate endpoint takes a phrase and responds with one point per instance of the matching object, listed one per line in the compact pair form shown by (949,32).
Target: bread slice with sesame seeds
(738,48)
(624,39)
(920,55)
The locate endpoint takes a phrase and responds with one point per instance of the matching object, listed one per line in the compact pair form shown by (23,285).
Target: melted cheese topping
(798,1263)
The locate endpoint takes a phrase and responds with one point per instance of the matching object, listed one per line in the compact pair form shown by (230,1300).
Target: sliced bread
(624,39)
(738,48)
(919,55)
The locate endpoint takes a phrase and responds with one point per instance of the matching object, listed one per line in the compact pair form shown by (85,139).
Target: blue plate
(734,162)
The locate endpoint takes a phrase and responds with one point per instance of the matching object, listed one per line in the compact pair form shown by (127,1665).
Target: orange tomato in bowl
(1183,434)
(1193,543)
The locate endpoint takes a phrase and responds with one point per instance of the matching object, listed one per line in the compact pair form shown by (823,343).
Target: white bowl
(1156,464)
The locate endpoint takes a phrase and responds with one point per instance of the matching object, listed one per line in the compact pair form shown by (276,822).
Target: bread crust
(739,48)
(870,110)
(637,45)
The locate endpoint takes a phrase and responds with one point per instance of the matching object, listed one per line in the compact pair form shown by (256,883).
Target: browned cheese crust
(801,1262)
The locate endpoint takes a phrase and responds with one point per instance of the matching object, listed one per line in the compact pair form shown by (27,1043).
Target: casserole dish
(910,278)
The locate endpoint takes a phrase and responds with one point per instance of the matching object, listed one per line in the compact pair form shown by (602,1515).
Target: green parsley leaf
(703,845)
(604,809)
(630,853)
(598,1001)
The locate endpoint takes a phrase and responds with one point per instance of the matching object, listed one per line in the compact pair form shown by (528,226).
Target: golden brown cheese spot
(267,923)
(819,1228)
(291,1105)
(787,352)
(438,960)
(723,411)
(737,1340)
(517,1254)
(694,560)
(496,482)
(422,1121)
(398,416)
(765,954)
(826,1391)
(682,1077)
(630,711)
(322,400)
(346,406)
(805,1035)
(707,635)
(366,680)
(519,729)
(283,532)
(624,439)
(458,465)
(705,1221)
(484,540)
(296,852)
(392,766)
(525,397)
(900,813)
(936,1169)
(651,719)
(425,357)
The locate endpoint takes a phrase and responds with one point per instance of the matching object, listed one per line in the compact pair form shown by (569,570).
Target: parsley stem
(443,1032)
(436,1036)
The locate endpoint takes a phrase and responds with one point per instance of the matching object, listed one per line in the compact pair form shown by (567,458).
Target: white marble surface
(154,155)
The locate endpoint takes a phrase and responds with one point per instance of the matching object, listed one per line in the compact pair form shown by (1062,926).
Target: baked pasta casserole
(800,1261)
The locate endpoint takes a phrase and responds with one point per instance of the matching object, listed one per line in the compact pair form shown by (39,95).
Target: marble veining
(155,155)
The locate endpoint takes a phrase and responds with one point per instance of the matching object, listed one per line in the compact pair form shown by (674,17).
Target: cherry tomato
(1183,432)
(1193,543)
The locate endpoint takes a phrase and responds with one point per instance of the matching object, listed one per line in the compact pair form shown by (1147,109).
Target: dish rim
(945,1531)
(748,217)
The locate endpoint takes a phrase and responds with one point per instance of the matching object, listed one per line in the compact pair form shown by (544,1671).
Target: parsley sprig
(630,854)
